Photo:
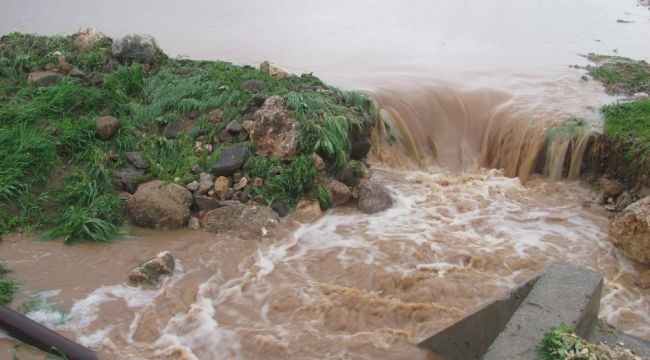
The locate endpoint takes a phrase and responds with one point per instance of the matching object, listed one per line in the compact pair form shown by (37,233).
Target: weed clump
(561,343)
(628,125)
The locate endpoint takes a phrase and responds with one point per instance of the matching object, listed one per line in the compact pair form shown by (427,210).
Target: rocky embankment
(101,131)
(620,157)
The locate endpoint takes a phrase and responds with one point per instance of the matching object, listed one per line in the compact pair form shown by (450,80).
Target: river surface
(465,85)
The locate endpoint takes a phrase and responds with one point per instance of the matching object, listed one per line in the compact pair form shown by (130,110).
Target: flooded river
(466,85)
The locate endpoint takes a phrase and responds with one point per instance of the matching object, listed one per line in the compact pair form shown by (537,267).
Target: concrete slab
(563,294)
(470,337)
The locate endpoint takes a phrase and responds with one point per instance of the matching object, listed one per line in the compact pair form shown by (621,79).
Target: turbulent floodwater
(347,286)
(464,84)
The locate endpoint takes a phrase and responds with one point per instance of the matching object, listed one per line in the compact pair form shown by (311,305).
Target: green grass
(620,74)
(287,182)
(561,343)
(7,286)
(628,126)
(43,128)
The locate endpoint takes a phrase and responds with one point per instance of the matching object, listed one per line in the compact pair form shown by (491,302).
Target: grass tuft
(561,343)
(628,126)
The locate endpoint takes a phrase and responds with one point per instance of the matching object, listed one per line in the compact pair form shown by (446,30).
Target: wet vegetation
(7,285)
(620,75)
(57,175)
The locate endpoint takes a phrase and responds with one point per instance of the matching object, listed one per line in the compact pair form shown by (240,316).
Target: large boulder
(373,197)
(241,220)
(275,131)
(630,231)
(141,48)
(231,160)
(44,78)
(160,206)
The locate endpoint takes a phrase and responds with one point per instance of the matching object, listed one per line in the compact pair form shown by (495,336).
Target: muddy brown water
(465,85)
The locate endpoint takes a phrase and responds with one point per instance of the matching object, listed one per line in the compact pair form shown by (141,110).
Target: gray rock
(196,169)
(150,271)
(136,47)
(44,78)
(253,85)
(106,127)
(231,160)
(173,129)
(234,127)
(127,178)
(206,183)
(137,159)
(373,197)
(280,208)
(160,206)
(193,186)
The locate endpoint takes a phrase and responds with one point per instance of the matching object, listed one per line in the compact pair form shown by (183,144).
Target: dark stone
(280,208)
(255,103)
(346,176)
(253,85)
(173,129)
(360,149)
(225,136)
(231,160)
(205,203)
(127,178)
(137,159)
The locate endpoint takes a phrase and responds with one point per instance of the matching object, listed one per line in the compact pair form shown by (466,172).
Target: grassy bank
(627,123)
(56,175)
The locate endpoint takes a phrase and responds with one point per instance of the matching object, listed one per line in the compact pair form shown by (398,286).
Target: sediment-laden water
(465,86)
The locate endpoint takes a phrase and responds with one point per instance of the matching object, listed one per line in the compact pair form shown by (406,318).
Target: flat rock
(245,221)
(307,211)
(44,78)
(137,159)
(234,127)
(231,160)
(253,85)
